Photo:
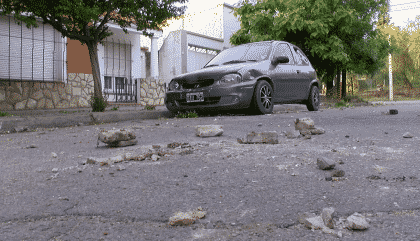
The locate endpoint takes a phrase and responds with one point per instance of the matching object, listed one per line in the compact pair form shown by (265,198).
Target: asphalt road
(250,192)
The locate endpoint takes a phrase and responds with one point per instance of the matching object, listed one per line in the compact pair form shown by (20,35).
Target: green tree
(333,34)
(85,20)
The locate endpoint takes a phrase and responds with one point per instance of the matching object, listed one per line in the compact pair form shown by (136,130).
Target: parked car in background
(253,76)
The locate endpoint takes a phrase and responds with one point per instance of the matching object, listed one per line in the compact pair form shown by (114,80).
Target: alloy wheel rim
(265,97)
(316,99)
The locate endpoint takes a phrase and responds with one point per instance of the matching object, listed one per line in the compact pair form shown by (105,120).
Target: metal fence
(35,54)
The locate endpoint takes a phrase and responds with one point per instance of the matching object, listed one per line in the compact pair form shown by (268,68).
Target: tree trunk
(329,78)
(343,86)
(93,54)
(337,87)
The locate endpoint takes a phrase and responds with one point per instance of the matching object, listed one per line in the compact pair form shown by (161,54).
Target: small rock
(268,137)
(208,130)
(347,136)
(304,123)
(315,223)
(63,198)
(292,134)
(259,124)
(154,157)
(337,173)
(120,168)
(357,222)
(327,217)
(305,215)
(53,154)
(325,164)
(393,112)
(340,162)
(317,131)
(55,170)
(31,146)
(328,179)
(407,135)
(187,218)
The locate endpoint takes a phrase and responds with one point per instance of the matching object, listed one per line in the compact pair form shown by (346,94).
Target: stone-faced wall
(46,95)
(151,91)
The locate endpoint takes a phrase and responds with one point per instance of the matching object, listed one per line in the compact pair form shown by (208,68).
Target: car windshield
(240,54)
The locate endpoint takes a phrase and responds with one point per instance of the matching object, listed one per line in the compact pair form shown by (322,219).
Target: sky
(402,11)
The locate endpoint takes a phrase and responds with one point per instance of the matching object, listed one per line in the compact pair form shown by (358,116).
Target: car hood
(214,73)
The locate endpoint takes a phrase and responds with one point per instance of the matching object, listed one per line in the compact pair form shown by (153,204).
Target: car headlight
(174,85)
(231,79)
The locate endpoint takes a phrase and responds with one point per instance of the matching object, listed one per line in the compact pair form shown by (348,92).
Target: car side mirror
(280,60)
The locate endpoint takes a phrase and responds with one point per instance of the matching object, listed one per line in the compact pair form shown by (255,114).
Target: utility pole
(390,73)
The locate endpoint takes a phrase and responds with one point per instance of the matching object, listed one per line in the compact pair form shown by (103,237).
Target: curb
(18,124)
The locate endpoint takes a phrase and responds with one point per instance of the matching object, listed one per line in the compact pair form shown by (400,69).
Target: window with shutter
(30,54)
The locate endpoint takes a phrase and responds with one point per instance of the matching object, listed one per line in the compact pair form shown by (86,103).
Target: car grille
(207,101)
(201,84)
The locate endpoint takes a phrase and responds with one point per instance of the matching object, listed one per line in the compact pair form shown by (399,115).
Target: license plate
(195,97)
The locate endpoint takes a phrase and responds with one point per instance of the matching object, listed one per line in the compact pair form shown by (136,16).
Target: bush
(98,104)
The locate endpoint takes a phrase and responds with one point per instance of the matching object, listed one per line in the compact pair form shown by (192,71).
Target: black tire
(313,100)
(262,100)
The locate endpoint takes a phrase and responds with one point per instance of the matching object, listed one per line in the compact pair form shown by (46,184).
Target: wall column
(154,67)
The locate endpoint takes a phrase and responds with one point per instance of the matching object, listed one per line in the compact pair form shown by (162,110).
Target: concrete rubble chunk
(268,137)
(117,159)
(315,223)
(124,143)
(317,131)
(303,216)
(53,154)
(337,173)
(292,134)
(120,168)
(327,217)
(325,163)
(187,218)
(55,170)
(208,130)
(118,138)
(357,222)
(304,123)
(408,135)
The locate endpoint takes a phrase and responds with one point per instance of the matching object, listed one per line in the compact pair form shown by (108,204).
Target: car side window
(301,57)
(283,50)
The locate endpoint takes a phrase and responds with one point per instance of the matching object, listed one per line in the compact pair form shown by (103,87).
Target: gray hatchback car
(255,76)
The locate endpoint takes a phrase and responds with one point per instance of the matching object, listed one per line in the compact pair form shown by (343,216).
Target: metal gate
(126,90)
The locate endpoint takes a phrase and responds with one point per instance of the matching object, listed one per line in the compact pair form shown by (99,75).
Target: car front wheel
(262,101)
(313,100)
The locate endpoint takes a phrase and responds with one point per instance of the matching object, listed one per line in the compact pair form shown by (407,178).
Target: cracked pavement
(249,191)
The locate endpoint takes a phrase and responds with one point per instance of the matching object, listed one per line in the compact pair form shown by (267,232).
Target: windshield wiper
(234,61)
(211,65)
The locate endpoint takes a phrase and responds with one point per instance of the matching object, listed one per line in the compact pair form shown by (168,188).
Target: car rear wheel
(262,101)
(313,100)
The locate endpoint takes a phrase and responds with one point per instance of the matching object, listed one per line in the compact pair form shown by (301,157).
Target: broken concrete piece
(269,137)
(187,218)
(327,217)
(315,223)
(303,216)
(112,136)
(208,130)
(325,164)
(337,173)
(304,123)
(357,222)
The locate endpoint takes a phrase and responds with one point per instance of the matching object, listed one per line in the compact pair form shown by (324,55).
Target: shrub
(98,104)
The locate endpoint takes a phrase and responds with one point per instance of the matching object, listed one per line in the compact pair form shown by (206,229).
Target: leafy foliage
(332,33)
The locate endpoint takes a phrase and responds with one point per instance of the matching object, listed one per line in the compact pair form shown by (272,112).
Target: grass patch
(115,108)
(63,111)
(188,114)
(5,114)
(149,107)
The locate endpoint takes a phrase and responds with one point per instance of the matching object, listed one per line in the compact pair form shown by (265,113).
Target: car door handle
(298,71)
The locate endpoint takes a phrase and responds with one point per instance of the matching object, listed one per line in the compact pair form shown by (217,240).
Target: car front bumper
(237,96)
